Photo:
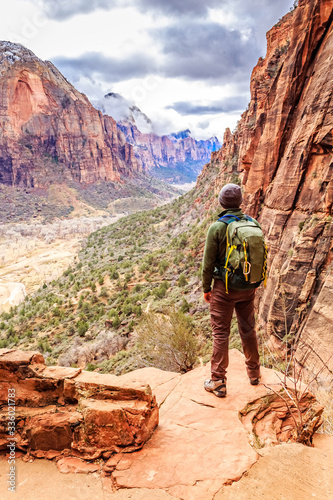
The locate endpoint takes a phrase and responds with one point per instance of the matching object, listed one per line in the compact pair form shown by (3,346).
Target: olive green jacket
(214,254)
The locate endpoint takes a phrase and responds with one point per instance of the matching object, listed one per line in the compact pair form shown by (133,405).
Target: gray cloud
(252,12)
(259,15)
(64,9)
(265,9)
(206,51)
(227,105)
(190,50)
(174,8)
(94,64)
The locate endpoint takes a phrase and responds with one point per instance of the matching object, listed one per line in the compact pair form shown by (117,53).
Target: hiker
(233,287)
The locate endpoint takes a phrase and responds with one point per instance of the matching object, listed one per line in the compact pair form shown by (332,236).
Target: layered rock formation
(50,131)
(176,157)
(282,153)
(54,411)
(200,445)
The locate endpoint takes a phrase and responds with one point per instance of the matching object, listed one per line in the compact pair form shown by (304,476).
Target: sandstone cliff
(51,131)
(175,157)
(282,154)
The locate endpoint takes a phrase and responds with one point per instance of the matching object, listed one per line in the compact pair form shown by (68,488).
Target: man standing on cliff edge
(227,297)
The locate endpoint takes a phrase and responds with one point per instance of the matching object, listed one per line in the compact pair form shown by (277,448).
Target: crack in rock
(166,397)
(202,404)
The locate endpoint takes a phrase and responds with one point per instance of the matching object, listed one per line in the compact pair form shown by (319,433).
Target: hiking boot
(254,381)
(217,387)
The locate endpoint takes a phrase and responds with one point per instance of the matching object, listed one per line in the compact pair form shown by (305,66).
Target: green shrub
(114,275)
(168,342)
(163,266)
(185,307)
(90,367)
(182,281)
(82,327)
(160,291)
(56,311)
(116,322)
(104,292)
(182,242)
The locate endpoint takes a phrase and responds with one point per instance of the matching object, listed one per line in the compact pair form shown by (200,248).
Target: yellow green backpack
(245,264)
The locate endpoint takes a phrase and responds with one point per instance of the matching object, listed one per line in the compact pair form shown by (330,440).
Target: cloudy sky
(185,63)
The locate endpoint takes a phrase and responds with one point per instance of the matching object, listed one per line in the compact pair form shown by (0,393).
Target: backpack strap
(228,219)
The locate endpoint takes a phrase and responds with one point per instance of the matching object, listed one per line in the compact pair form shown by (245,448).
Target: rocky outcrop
(49,131)
(176,157)
(282,155)
(57,411)
(200,445)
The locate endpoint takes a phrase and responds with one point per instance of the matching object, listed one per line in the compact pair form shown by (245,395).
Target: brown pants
(222,306)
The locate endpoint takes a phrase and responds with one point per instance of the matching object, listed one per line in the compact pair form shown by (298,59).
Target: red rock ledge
(69,411)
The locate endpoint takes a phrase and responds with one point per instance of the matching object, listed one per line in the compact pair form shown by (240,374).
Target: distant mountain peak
(10,53)
(183,134)
(114,95)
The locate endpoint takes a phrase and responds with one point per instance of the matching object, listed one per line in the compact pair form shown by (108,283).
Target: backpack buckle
(246,268)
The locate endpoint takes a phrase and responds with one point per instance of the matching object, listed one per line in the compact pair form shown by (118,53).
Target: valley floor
(33,254)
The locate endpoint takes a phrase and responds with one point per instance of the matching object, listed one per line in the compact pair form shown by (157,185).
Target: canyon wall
(49,130)
(175,157)
(281,153)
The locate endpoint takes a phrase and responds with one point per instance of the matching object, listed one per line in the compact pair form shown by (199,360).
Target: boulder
(66,410)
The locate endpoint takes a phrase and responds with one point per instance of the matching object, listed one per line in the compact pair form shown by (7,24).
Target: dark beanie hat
(231,196)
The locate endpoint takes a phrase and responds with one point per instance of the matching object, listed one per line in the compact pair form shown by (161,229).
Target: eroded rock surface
(282,154)
(90,423)
(69,411)
(201,443)
(49,130)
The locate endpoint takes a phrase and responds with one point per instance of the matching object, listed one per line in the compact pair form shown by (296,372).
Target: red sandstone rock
(86,414)
(200,445)
(201,442)
(272,419)
(155,152)
(282,152)
(45,122)
(76,465)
